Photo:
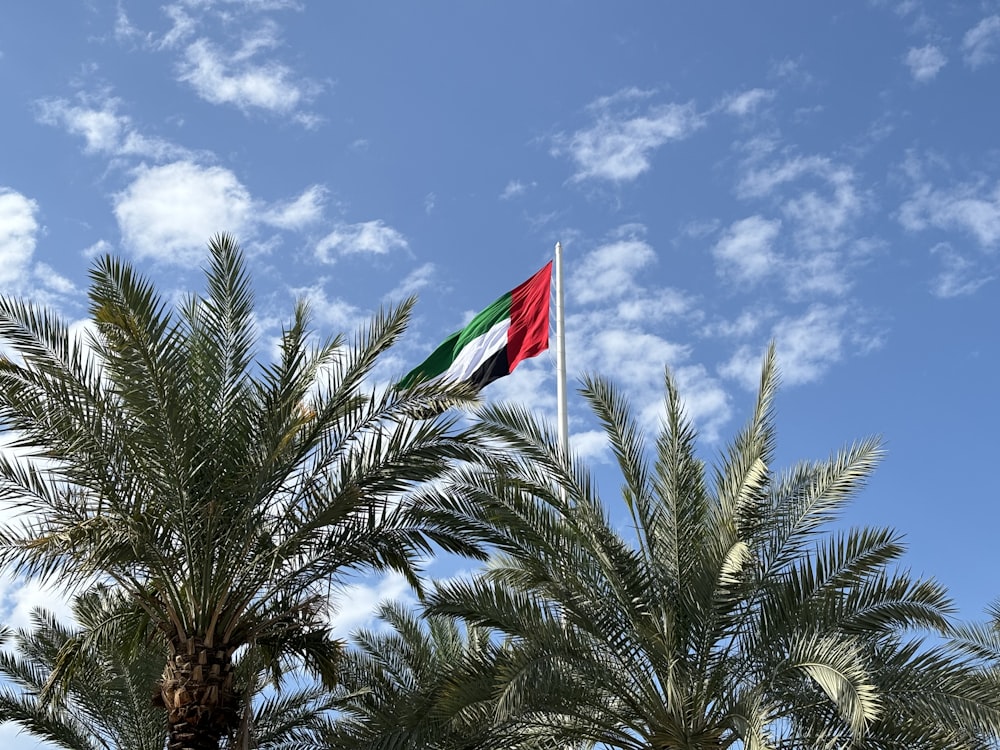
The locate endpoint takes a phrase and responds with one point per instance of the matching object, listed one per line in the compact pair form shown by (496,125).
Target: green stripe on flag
(441,358)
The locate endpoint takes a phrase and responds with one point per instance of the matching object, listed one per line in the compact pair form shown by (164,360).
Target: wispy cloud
(332,314)
(745,252)
(821,217)
(220,79)
(105,131)
(792,71)
(101,247)
(614,329)
(416,280)
(816,273)
(183,26)
(746,102)
(807,346)
(300,212)
(979,45)
(820,203)
(973,208)
(609,272)
(249,75)
(925,62)
(368,237)
(354,605)
(513,189)
(52,280)
(18,230)
(959,276)
(747,323)
(626,131)
(761,181)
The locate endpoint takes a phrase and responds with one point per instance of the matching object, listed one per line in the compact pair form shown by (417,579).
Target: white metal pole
(563,419)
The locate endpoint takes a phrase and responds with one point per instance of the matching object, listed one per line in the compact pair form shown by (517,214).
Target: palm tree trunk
(197,691)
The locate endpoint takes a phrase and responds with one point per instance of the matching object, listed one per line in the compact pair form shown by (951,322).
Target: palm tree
(724,613)
(221,493)
(104,701)
(423,682)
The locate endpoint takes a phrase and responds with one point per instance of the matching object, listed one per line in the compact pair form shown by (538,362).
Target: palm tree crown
(220,492)
(724,614)
(101,699)
(425,682)
(105,702)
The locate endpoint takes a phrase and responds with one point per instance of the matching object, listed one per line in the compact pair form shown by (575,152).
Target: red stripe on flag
(528,334)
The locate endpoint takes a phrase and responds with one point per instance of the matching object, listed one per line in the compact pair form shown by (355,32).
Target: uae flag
(513,328)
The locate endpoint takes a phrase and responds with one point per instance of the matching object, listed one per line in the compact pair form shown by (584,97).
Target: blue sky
(720,175)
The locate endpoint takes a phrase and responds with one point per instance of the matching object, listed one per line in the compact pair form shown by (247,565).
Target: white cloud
(334,315)
(52,279)
(807,346)
(633,357)
(610,330)
(101,247)
(169,213)
(966,207)
(413,283)
(368,237)
(705,400)
(745,324)
(298,213)
(354,605)
(792,71)
(125,31)
(747,102)
(532,385)
(183,26)
(925,62)
(822,219)
(650,305)
(819,217)
(619,145)
(817,273)
(20,597)
(744,253)
(513,189)
(757,183)
(591,446)
(609,271)
(980,42)
(238,79)
(103,129)
(13,737)
(18,228)
(959,276)
(635,360)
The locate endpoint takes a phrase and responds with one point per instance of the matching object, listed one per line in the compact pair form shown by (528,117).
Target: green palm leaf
(728,614)
(224,494)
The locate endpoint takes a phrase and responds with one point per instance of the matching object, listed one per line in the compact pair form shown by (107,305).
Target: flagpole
(563,420)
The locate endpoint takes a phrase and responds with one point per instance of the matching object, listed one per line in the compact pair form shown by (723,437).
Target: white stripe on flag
(476,352)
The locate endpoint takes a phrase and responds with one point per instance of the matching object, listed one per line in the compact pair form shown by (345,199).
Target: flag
(513,328)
